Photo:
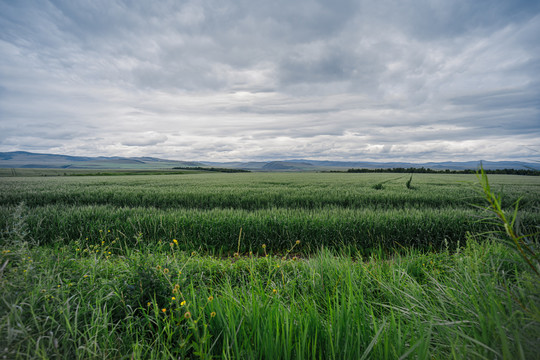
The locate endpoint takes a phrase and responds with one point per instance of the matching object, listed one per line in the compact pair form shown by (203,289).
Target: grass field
(264,266)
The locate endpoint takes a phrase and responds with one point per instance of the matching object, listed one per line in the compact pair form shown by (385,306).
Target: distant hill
(23,159)
(325,165)
(287,165)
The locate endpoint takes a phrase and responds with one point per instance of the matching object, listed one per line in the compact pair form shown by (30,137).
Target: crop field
(206,211)
(266,266)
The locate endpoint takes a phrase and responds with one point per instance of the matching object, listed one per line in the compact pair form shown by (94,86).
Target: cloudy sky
(414,80)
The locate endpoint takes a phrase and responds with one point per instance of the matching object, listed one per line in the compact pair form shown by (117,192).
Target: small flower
(264,246)
(175,291)
(297,242)
(164,310)
(187,315)
(193,253)
(183,303)
(274,291)
(210,298)
(108,230)
(165,271)
(213,314)
(148,304)
(158,267)
(85,276)
(175,241)
(173,298)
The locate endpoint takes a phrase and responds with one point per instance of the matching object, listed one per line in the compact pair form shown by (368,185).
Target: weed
(408,183)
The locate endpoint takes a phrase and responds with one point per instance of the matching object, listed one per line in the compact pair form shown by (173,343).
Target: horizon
(478,161)
(417,82)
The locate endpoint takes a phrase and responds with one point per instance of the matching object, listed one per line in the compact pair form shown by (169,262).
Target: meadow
(265,266)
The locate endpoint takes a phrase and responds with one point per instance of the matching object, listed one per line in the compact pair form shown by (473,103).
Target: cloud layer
(257,80)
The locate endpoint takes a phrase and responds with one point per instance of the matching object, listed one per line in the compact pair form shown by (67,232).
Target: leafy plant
(509,225)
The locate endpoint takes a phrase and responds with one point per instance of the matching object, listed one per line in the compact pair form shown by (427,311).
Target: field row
(218,230)
(265,191)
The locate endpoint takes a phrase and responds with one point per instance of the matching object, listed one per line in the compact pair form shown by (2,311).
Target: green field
(206,211)
(264,265)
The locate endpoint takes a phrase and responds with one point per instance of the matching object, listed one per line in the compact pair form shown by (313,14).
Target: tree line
(423,170)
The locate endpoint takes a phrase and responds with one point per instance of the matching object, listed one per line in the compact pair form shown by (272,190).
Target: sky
(240,80)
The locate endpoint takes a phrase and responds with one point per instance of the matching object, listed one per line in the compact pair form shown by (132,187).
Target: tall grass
(159,302)
(86,281)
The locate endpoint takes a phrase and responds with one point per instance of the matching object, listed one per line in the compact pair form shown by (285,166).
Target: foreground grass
(155,302)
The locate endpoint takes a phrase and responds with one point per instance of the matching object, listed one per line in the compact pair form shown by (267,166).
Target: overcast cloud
(258,80)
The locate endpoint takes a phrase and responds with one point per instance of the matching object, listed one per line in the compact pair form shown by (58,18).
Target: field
(264,265)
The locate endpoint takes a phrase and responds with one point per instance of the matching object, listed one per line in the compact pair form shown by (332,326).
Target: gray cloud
(145,139)
(240,80)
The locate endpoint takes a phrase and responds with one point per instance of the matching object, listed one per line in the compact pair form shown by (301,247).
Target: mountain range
(23,159)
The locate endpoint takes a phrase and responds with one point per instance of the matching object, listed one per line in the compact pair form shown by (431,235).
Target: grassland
(264,266)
